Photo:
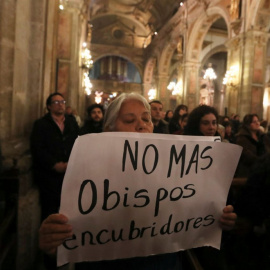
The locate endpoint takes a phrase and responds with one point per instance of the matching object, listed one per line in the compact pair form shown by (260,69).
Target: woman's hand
(53,231)
(228,218)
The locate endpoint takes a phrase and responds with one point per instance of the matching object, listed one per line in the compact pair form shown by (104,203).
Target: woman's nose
(140,124)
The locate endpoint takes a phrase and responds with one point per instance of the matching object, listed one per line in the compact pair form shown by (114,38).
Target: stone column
(191,89)
(125,69)
(245,94)
(258,70)
(162,91)
(110,66)
(233,86)
(102,66)
(118,67)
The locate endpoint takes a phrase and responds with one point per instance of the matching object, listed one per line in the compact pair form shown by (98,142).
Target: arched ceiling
(131,18)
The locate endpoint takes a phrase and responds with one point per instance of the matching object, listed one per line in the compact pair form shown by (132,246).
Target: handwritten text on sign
(135,195)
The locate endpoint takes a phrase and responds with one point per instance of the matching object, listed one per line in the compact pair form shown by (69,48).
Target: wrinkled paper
(132,195)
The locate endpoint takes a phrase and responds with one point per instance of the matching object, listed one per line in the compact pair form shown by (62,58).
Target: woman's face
(255,124)
(170,114)
(182,111)
(208,125)
(133,117)
(183,122)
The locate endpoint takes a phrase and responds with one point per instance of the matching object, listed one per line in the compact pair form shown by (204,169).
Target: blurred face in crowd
(255,124)
(96,114)
(228,130)
(183,122)
(182,111)
(133,117)
(57,105)
(156,111)
(208,125)
(69,110)
(170,114)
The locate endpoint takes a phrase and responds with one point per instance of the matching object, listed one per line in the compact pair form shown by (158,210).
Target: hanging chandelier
(87,83)
(87,61)
(63,4)
(230,76)
(152,93)
(210,73)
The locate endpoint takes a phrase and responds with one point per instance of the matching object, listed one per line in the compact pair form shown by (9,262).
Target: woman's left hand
(228,218)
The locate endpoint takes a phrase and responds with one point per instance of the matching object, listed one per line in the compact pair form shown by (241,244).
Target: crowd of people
(54,134)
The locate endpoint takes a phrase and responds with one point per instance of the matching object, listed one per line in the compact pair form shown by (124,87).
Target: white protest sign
(132,195)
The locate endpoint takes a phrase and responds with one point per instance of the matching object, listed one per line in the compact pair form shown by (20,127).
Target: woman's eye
(146,119)
(129,121)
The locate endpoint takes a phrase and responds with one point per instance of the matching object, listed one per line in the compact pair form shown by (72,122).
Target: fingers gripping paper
(129,195)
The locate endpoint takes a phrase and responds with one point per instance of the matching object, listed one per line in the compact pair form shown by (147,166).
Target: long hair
(176,115)
(247,120)
(194,119)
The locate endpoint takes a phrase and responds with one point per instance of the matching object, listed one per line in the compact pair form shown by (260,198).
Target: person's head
(69,110)
(95,112)
(156,111)
(181,109)
(55,104)
(183,120)
(228,128)
(168,115)
(236,117)
(251,122)
(221,131)
(129,112)
(203,120)
(225,119)
(178,112)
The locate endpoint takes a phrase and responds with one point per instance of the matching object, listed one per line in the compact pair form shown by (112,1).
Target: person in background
(202,121)
(127,113)
(182,123)
(51,142)
(94,122)
(255,144)
(168,115)
(263,126)
(224,119)
(252,206)
(68,110)
(229,135)
(160,125)
(174,122)
(235,123)
(73,112)
(77,117)
(221,131)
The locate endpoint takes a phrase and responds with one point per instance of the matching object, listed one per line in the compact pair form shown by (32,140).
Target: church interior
(192,52)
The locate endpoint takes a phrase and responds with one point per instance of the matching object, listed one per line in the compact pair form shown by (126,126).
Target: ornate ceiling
(129,22)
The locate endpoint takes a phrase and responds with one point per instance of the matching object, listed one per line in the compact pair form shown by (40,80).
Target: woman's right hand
(52,233)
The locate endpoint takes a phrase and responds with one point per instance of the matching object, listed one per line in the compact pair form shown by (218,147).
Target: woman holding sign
(127,113)
(203,121)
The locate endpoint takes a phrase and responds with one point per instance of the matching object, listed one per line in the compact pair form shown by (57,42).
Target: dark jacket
(252,150)
(174,127)
(91,126)
(49,146)
(162,127)
(254,200)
